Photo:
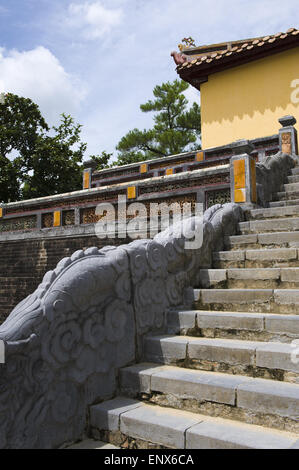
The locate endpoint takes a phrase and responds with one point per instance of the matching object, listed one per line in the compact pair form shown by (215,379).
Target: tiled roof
(206,58)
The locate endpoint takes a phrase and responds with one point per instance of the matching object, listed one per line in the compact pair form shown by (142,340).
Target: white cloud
(192,96)
(93,19)
(37,74)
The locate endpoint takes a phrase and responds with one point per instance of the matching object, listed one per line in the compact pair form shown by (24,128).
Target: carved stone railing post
(288,142)
(243,173)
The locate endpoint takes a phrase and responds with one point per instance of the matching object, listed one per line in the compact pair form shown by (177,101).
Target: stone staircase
(227,373)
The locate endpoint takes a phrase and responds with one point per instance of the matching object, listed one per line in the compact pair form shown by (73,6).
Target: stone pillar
(39,221)
(288,142)
(243,173)
(87,178)
(77,216)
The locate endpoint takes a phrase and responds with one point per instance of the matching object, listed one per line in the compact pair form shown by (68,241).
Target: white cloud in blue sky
(93,19)
(99,59)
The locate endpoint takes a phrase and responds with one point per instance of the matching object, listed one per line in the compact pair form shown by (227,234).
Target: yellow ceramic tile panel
(239,173)
(131,192)
(169,171)
(253,180)
(199,156)
(240,195)
(57,219)
(86,180)
(143,168)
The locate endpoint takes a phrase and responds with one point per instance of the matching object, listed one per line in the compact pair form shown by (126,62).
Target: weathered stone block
(198,385)
(137,378)
(222,350)
(241,239)
(165,349)
(240,296)
(252,273)
(229,256)
(162,426)
(270,397)
(178,321)
(223,434)
(286,296)
(290,274)
(210,277)
(288,324)
(279,254)
(275,211)
(277,356)
(272,225)
(229,320)
(278,238)
(105,416)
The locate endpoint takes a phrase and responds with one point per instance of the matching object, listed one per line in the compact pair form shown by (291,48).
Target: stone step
(294,202)
(91,444)
(278,239)
(295,171)
(262,258)
(133,424)
(275,212)
(293,179)
(249,278)
(269,225)
(286,195)
(255,401)
(268,360)
(291,187)
(246,300)
(234,325)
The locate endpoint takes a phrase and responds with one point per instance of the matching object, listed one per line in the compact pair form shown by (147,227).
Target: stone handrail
(65,342)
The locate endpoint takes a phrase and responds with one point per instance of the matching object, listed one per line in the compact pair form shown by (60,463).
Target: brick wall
(24,263)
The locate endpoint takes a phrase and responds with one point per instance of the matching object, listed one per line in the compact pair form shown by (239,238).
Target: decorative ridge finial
(189,42)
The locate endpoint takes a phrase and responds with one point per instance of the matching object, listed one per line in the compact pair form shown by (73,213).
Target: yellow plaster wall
(245,102)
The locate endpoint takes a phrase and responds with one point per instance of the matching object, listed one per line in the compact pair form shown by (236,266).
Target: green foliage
(35,160)
(9,183)
(20,124)
(102,161)
(55,163)
(175,127)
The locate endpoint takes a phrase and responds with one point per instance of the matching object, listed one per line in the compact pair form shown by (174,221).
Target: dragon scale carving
(66,341)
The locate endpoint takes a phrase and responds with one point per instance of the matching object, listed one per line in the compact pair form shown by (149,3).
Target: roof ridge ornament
(189,42)
(179,58)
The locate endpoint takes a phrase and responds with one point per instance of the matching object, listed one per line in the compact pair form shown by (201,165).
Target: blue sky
(99,59)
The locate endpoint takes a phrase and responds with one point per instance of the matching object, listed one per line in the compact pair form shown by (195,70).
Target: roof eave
(198,74)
